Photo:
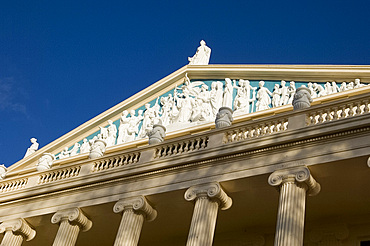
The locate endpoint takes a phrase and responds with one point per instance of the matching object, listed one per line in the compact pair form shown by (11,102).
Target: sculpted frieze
(198,102)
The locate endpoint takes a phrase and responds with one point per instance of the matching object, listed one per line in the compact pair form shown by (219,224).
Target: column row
(293,184)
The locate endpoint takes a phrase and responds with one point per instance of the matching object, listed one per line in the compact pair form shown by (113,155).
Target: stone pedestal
(15,232)
(135,211)
(71,221)
(293,184)
(208,199)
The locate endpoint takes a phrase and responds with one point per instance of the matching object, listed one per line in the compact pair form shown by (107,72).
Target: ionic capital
(213,191)
(19,227)
(300,175)
(138,204)
(74,216)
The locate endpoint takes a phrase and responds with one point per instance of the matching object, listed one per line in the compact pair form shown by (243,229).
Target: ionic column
(135,211)
(208,199)
(15,231)
(293,184)
(71,221)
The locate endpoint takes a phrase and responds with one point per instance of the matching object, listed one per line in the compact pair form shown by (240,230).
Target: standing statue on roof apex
(202,55)
(32,149)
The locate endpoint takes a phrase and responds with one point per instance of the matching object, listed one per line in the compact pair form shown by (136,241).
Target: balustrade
(256,130)
(59,175)
(117,161)
(339,111)
(181,147)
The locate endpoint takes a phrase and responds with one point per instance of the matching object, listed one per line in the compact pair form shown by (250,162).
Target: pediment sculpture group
(195,103)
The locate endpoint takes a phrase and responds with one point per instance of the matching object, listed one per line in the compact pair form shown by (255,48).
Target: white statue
(34,146)
(263,97)
(310,87)
(112,134)
(343,86)
(276,96)
(202,55)
(334,87)
(185,106)
(219,94)
(85,147)
(133,127)
(241,102)
(123,126)
(156,112)
(328,88)
(358,83)
(216,97)
(243,97)
(3,171)
(75,149)
(64,153)
(350,86)
(319,89)
(147,126)
(291,91)
(202,106)
(103,133)
(45,162)
(284,93)
(227,100)
(167,103)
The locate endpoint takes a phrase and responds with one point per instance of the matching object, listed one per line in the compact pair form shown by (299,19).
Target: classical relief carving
(263,97)
(196,102)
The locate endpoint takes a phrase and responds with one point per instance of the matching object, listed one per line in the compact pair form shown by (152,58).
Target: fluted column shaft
(67,234)
(290,221)
(10,239)
(293,184)
(135,211)
(15,232)
(71,221)
(208,199)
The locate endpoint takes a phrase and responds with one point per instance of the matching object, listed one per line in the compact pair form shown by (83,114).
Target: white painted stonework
(209,155)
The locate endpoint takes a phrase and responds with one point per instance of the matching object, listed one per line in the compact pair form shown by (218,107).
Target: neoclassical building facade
(157,169)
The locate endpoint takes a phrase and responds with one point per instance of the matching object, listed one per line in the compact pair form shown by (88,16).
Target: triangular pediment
(187,101)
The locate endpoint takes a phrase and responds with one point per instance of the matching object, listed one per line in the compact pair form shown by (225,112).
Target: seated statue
(32,149)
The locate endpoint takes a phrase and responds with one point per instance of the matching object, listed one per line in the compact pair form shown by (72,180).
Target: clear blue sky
(64,62)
